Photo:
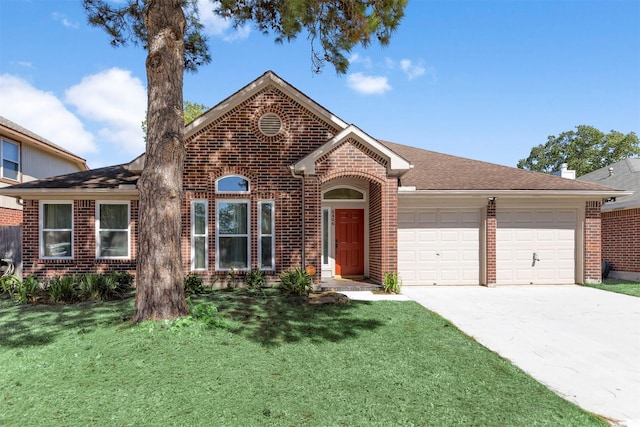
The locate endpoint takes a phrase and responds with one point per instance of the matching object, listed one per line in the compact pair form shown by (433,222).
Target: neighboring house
(620,218)
(26,157)
(273,180)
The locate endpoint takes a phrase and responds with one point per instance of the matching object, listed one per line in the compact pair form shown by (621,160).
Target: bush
(193,283)
(255,279)
(63,289)
(89,286)
(27,290)
(392,283)
(9,285)
(296,281)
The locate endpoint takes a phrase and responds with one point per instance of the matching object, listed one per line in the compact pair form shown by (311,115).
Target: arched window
(232,184)
(343,193)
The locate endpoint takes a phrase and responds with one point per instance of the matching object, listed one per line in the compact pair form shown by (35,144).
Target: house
(620,218)
(26,157)
(273,180)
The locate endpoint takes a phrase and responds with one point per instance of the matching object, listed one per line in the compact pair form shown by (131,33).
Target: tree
(191,111)
(583,150)
(170,31)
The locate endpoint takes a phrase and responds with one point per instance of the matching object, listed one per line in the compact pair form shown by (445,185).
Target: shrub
(63,289)
(296,281)
(114,285)
(193,283)
(392,283)
(89,286)
(255,279)
(27,290)
(9,285)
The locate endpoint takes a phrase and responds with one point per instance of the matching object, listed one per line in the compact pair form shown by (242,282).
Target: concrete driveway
(583,343)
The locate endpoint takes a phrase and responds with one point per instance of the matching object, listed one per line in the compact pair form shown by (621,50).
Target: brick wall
(10,216)
(592,243)
(621,239)
(492,225)
(84,260)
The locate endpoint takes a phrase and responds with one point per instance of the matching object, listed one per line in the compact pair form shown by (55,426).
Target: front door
(349,231)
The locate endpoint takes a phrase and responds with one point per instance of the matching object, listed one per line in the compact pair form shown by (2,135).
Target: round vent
(270,124)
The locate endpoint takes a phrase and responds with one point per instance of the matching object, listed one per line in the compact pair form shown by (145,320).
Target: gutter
(411,191)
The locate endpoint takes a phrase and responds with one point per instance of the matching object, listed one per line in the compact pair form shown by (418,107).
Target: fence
(11,246)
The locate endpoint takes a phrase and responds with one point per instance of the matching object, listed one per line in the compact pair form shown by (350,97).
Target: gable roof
(16,131)
(396,164)
(444,173)
(625,175)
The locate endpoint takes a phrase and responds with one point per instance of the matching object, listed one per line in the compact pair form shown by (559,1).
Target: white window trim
(128,229)
(2,159)
(328,229)
(248,235)
(359,190)
(205,235)
(272,235)
(234,192)
(41,228)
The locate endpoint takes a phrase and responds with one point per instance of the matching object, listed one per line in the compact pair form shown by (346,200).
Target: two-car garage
(448,246)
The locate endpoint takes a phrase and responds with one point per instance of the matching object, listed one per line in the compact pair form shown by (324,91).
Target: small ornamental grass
(296,282)
(392,283)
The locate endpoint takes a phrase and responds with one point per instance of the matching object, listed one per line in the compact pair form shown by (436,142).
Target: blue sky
(481,79)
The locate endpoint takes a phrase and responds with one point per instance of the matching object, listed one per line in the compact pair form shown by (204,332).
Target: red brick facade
(621,239)
(84,244)
(10,217)
(592,243)
(492,226)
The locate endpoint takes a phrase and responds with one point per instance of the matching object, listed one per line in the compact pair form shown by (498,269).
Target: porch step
(348,285)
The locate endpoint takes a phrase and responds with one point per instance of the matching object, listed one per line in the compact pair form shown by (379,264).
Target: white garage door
(439,246)
(535,246)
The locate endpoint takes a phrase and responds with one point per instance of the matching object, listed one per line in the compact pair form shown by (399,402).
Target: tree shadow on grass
(271,318)
(40,324)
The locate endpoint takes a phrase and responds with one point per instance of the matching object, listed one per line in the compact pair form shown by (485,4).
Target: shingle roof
(110,177)
(17,128)
(437,171)
(624,175)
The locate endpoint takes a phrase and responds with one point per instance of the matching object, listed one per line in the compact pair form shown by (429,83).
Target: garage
(439,246)
(535,246)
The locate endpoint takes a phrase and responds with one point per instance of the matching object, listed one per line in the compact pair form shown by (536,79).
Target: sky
(486,80)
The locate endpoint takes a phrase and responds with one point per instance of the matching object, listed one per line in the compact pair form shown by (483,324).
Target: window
(10,160)
(232,237)
(266,242)
(232,184)
(199,235)
(325,236)
(56,230)
(343,193)
(112,230)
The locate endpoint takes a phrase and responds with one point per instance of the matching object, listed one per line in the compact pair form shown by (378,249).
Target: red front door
(349,242)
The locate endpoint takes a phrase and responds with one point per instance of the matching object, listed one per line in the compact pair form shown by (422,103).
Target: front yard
(263,359)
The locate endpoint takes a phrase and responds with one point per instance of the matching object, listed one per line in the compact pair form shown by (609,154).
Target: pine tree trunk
(159,279)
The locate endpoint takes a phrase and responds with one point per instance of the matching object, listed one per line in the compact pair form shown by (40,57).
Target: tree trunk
(159,279)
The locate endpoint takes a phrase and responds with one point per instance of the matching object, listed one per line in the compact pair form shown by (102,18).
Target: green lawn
(619,286)
(277,362)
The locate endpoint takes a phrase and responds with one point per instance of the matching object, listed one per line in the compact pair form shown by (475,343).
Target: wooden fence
(11,246)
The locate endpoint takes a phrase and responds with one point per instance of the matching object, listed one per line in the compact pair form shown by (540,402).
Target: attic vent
(270,124)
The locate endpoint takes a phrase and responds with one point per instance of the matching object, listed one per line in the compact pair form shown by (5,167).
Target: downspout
(301,178)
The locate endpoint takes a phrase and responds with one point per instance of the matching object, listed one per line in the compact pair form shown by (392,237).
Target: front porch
(345,285)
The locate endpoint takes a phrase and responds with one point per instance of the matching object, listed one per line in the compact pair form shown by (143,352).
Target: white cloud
(364,60)
(117,101)
(368,85)
(217,26)
(412,70)
(65,22)
(43,113)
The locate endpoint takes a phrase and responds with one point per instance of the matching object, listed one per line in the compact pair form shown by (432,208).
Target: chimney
(565,172)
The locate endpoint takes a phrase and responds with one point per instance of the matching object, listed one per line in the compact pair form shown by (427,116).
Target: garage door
(439,246)
(535,246)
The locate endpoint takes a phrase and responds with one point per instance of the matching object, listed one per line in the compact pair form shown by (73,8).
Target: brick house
(27,156)
(274,181)
(620,218)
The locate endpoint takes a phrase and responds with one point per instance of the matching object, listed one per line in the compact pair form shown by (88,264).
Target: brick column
(592,243)
(312,225)
(491,243)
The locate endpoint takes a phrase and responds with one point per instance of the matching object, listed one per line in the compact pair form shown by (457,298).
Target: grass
(619,286)
(277,362)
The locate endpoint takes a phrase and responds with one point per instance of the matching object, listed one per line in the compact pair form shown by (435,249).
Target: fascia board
(578,194)
(76,194)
